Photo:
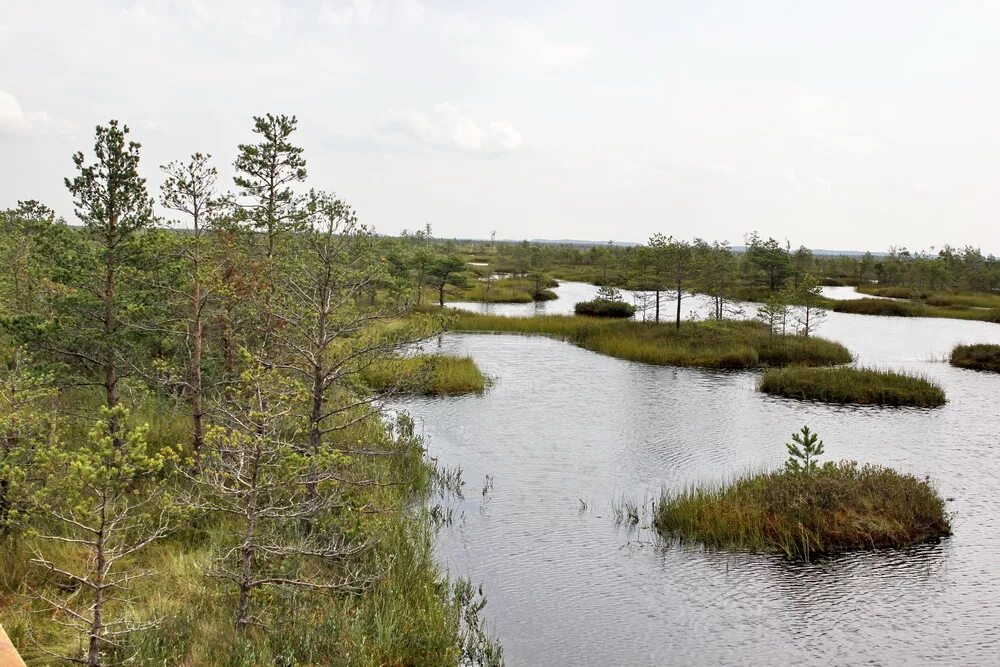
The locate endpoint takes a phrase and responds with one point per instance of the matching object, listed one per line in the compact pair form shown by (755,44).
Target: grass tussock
(728,344)
(604,308)
(429,375)
(980,357)
(839,507)
(861,386)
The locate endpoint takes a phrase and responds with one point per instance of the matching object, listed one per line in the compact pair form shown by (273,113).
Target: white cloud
(495,41)
(519,45)
(448,127)
(355,13)
(15,119)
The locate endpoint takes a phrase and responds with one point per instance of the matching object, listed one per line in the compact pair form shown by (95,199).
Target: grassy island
(429,375)
(861,386)
(604,308)
(939,298)
(905,308)
(725,344)
(980,357)
(807,510)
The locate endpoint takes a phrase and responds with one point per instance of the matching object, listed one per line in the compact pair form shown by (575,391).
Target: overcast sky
(846,125)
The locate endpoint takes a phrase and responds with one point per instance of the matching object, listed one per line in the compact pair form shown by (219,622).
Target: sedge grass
(902,308)
(942,298)
(838,507)
(729,344)
(431,375)
(980,357)
(860,386)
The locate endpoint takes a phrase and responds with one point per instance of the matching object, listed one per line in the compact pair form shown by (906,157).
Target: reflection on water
(564,427)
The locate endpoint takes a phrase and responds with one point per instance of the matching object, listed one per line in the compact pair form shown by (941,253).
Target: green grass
(502,290)
(940,298)
(758,294)
(588,273)
(901,308)
(431,375)
(837,508)
(728,344)
(409,616)
(604,308)
(981,357)
(860,386)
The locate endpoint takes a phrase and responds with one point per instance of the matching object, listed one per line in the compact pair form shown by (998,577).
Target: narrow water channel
(564,432)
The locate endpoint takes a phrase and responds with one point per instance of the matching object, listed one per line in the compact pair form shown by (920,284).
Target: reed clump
(980,357)
(428,375)
(860,386)
(726,344)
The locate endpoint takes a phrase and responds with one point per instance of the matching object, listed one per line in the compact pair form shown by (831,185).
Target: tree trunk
(657,306)
(197,407)
(679,294)
(246,568)
(100,572)
(110,324)
(441,295)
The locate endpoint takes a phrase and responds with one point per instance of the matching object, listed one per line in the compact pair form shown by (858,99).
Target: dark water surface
(564,432)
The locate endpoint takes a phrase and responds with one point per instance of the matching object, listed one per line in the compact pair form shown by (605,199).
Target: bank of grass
(758,294)
(901,308)
(839,507)
(859,386)
(727,344)
(980,357)
(427,374)
(941,298)
(502,290)
(588,273)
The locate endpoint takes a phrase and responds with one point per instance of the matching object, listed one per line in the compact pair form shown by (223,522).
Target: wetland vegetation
(196,465)
(858,386)
(427,374)
(980,357)
(712,344)
(806,509)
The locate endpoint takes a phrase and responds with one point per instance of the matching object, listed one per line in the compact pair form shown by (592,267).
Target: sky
(838,125)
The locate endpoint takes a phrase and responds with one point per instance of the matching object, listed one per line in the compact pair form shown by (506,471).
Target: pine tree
(279,497)
(189,189)
(102,497)
(111,200)
(802,452)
